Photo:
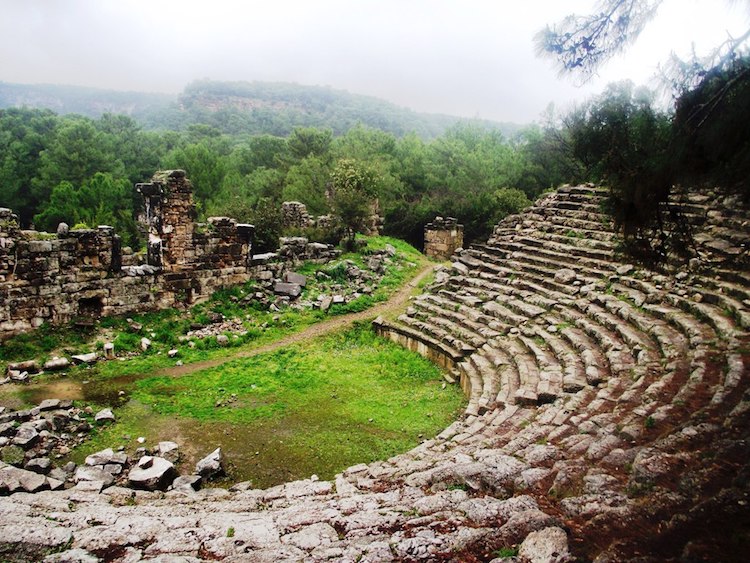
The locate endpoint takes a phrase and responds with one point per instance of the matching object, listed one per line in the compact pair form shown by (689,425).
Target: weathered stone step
(432,333)
(570,238)
(471,381)
(452,321)
(545,275)
(618,354)
(503,313)
(497,355)
(641,344)
(670,342)
(574,372)
(588,190)
(736,374)
(732,289)
(471,319)
(723,325)
(717,296)
(526,310)
(555,209)
(460,333)
(741,279)
(538,227)
(596,364)
(551,254)
(577,204)
(696,332)
(560,244)
(490,381)
(528,373)
(537,219)
(550,385)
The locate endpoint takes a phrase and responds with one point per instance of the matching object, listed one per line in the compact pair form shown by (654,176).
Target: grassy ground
(313,407)
(316,407)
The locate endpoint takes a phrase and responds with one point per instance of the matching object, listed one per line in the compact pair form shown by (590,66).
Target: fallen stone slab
(264,258)
(32,366)
(19,376)
(89,358)
(14,479)
(152,474)
(211,465)
(96,474)
(295,278)
(565,276)
(169,451)
(187,482)
(292,290)
(56,364)
(106,456)
(104,416)
(41,465)
(26,436)
(50,405)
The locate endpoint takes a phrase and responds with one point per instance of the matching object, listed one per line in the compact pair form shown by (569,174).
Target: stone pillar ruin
(294,214)
(169,216)
(8,236)
(442,237)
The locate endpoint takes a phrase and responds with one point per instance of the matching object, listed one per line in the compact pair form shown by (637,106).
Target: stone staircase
(607,419)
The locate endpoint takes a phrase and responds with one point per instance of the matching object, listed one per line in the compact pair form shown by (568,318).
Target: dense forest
(81,170)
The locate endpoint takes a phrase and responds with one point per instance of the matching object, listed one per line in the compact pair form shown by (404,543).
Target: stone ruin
(608,419)
(80,275)
(294,215)
(443,237)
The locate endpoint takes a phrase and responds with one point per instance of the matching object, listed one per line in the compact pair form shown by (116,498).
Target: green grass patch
(320,406)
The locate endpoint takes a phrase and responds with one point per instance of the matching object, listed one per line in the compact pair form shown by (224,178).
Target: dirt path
(393,304)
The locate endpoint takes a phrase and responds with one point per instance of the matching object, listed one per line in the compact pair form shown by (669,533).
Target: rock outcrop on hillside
(607,419)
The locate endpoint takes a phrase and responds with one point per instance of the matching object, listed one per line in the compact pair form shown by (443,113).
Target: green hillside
(253,108)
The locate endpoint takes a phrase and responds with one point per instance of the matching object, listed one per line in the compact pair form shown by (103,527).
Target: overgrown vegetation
(167,329)
(622,139)
(77,169)
(316,407)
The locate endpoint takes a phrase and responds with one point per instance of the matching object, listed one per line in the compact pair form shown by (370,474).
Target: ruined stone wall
(294,215)
(79,274)
(442,237)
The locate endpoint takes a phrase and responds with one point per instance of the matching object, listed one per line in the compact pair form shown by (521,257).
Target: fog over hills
(241,107)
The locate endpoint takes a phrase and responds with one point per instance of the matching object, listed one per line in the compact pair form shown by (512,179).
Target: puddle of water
(99,392)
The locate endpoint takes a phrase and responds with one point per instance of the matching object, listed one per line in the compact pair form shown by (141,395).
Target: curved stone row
(607,418)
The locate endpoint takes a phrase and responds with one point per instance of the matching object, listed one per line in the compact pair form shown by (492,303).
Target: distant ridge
(241,107)
(91,102)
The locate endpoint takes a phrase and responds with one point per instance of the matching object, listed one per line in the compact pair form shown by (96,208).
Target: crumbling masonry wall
(294,215)
(442,237)
(79,274)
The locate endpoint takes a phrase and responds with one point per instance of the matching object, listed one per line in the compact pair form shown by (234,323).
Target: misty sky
(473,58)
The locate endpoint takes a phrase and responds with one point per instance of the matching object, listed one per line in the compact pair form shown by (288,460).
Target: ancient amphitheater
(607,420)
